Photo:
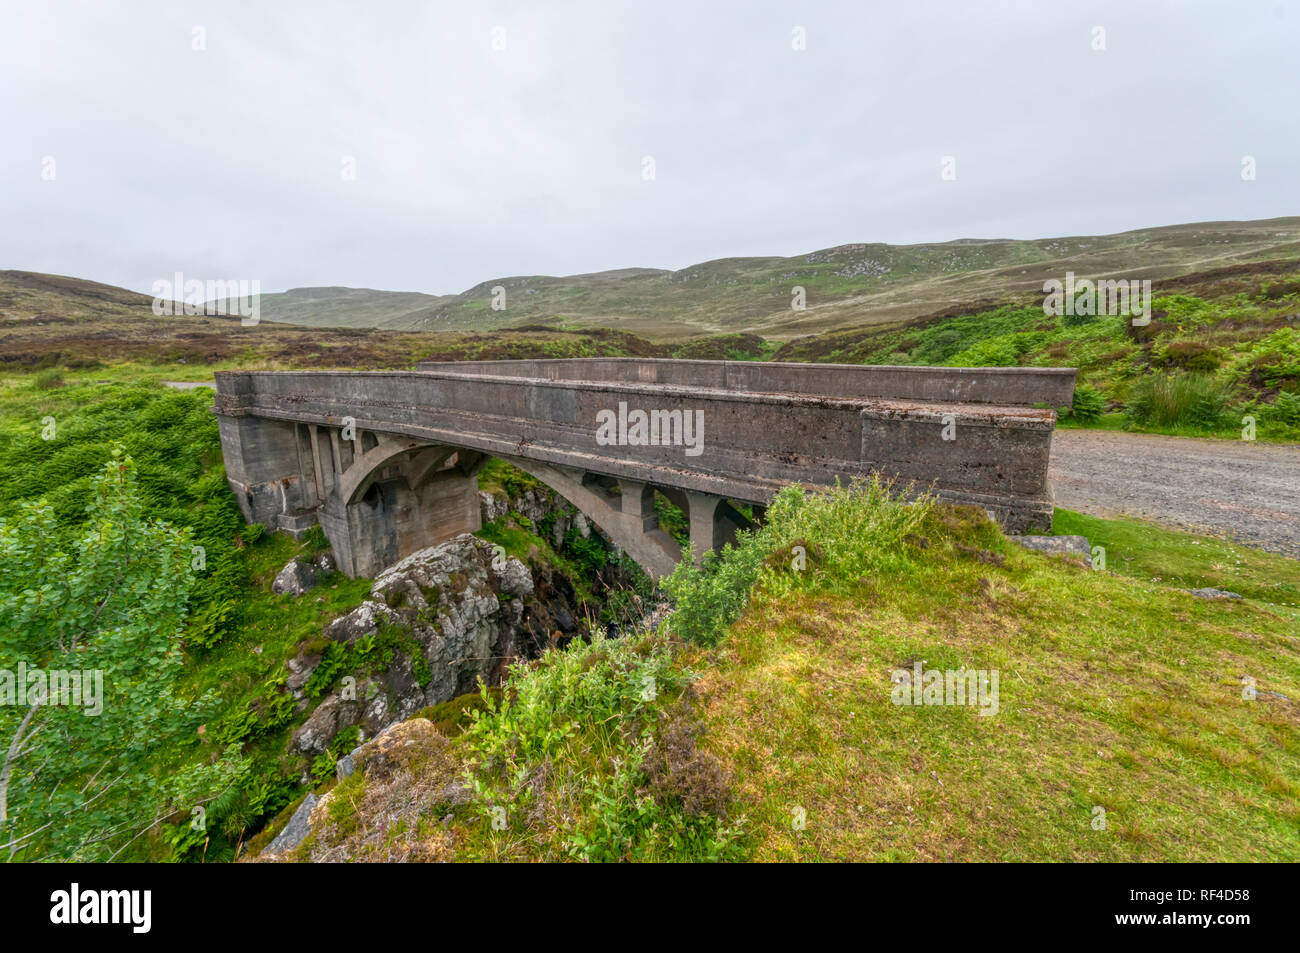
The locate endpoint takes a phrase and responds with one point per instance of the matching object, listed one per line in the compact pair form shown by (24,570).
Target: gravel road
(1235,489)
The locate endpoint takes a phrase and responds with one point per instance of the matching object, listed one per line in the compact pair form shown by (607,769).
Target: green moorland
(844,287)
(1220,356)
(765,709)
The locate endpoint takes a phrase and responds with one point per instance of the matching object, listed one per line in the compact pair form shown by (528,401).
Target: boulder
(364,620)
(1057,545)
(1210,593)
(298,576)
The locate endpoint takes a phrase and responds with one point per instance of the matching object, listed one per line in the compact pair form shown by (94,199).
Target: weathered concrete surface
(406,480)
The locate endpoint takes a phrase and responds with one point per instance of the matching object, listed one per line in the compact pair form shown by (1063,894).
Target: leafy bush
(111,599)
(1285,410)
(548,700)
(1187,400)
(1088,403)
(332,663)
(588,718)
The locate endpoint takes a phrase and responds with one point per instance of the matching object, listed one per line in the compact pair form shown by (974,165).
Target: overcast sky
(474,162)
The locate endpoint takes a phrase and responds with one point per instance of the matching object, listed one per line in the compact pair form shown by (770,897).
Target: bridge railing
(1002,386)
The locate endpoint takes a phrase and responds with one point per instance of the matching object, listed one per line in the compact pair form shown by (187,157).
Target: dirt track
(1245,491)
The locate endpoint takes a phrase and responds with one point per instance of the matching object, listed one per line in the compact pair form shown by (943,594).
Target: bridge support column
(638,503)
(714,522)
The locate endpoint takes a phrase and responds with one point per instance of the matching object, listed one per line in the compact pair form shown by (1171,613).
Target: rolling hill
(846,286)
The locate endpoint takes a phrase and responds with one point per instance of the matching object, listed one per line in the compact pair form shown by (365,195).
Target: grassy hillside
(1221,344)
(767,727)
(48,321)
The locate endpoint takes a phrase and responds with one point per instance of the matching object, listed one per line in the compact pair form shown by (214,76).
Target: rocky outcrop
(459,611)
(410,775)
(537,505)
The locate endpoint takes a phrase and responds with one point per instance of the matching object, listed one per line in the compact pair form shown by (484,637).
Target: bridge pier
(714,522)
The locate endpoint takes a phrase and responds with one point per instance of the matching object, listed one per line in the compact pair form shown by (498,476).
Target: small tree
(76,783)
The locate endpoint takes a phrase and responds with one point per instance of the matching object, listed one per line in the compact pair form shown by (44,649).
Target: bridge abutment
(391,520)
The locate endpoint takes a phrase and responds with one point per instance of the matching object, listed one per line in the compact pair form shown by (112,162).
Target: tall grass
(1179,400)
(828,538)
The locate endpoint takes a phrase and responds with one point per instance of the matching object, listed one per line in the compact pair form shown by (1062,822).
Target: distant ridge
(844,286)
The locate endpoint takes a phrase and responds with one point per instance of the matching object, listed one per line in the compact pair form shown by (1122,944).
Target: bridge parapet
(711,431)
(1006,386)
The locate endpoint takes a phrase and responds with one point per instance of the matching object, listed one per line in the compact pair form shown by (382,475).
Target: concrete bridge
(387,461)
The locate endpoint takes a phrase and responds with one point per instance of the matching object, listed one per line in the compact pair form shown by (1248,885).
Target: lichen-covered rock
(492,507)
(330,717)
(300,668)
(297,576)
(457,612)
(364,620)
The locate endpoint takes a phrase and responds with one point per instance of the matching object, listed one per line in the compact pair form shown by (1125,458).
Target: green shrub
(672,520)
(590,717)
(210,623)
(1285,410)
(1088,403)
(1186,400)
(1190,355)
(584,683)
(332,663)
